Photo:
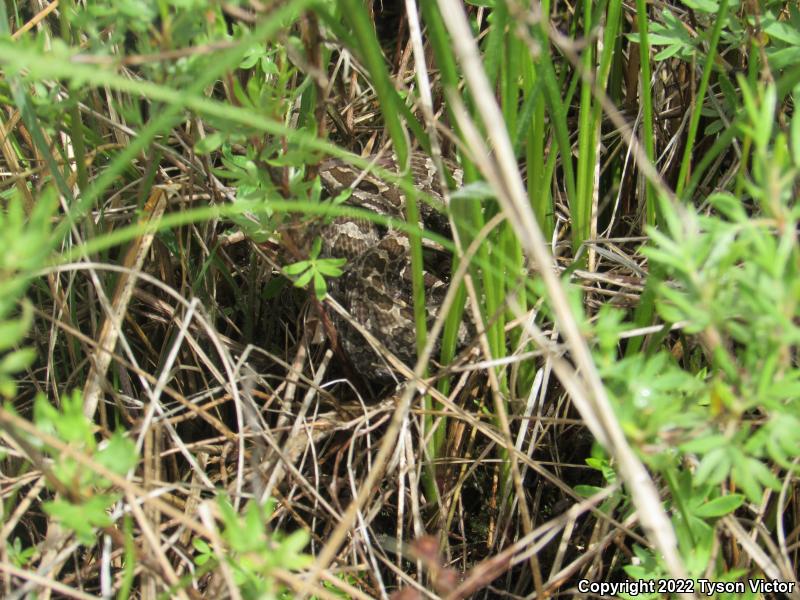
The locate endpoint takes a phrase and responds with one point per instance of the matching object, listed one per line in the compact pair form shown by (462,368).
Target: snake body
(376,287)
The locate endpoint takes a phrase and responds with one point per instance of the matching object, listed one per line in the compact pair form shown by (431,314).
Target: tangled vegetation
(178,418)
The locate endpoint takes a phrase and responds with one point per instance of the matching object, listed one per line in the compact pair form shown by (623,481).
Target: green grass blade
(694,122)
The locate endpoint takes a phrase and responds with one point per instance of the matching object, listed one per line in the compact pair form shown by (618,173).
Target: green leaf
(69,423)
(795,137)
(303,280)
(706,6)
(82,519)
(719,507)
(205,552)
(714,467)
(18,555)
(209,143)
(118,454)
(668,52)
(743,476)
(587,491)
(289,551)
(729,205)
(8,386)
(704,444)
(320,287)
(474,191)
(316,247)
(331,267)
(780,59)
(763,474)
(297,268)
(13,330)
(780,30)
(17,360)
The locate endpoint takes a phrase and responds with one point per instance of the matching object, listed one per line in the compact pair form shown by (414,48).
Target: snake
(375,287)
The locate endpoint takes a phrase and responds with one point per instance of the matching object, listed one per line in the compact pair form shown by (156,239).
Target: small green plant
(719,433)
(86,496)
(18,555)
(315,269)
(252,552)
(25,244)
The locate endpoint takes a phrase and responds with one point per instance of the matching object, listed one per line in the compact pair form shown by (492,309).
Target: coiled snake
(376,287)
